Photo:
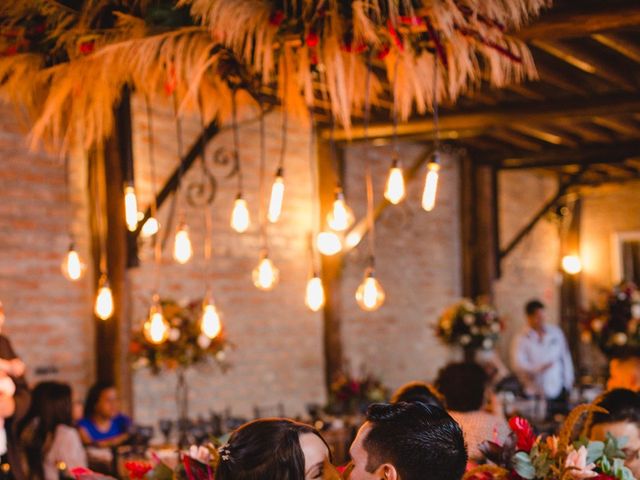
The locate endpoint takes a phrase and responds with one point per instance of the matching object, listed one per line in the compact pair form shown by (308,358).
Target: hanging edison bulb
(156,328)
(72,266)
(150,227)
(182,248)
(328,243)
(210,323)
(340,218)
(395,190)
(240,219)
(277,196)
(370,295)
(314,295)
(130,207)
(103,307)
(431,185)
(265,275)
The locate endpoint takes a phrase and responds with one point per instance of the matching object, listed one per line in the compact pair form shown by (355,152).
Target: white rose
(495,327)
(635,310)
(465,340)
(487,344)
(468,319)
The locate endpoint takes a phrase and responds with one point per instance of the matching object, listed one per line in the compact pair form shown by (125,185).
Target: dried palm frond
(570,423)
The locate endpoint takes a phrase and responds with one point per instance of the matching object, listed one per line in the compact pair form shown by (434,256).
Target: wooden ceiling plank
(555,25)
(531,113)
(586,62)
(618,44)
(514,138)
(617,126)
(544,134)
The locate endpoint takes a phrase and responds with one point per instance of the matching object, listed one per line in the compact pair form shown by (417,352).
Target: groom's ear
(386,471)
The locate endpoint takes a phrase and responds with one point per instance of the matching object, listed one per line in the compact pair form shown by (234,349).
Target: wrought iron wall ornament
(202,190)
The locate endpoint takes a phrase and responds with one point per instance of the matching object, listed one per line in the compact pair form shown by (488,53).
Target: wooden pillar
(570,288)
(332,267)
(479,223)
(109,169)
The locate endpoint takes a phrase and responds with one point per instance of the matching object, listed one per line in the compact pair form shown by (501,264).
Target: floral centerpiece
(527,456)
(185,346)
(615,327)
(349,394)
(469,325)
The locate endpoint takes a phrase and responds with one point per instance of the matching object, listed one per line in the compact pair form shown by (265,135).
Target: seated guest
(14,403)
(623,420)
(273,449)
(624,373)
(418,392)
(408,441)
(47,433)
(464,386)
(103,425)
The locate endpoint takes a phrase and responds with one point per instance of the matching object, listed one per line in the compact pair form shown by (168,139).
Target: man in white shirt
(541,359)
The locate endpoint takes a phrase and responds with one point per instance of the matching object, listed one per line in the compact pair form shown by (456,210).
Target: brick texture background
(279,342)
(48,317)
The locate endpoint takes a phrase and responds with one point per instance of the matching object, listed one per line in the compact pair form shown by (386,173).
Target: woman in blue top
(103,425)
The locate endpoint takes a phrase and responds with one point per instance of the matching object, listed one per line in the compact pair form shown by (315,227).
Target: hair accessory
(225,452)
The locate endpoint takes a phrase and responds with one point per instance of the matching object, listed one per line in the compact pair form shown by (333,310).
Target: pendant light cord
(236,138)
(367,161)
(436,118)
(157,246)
(262,218)
(208,226)
(315,200)
(395,108)
(283,147)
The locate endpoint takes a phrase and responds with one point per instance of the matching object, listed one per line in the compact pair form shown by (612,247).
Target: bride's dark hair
(265,449)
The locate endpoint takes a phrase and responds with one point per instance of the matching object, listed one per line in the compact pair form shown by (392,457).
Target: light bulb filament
(130,208)
(430,187)
(240,215)
(277,197)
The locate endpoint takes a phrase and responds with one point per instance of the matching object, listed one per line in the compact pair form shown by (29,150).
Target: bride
(273,449)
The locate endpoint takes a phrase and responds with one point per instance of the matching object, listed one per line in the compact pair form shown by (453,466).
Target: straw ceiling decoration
(65,62)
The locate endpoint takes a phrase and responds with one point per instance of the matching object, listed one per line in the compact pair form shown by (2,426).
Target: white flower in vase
(174,335)
(204,341)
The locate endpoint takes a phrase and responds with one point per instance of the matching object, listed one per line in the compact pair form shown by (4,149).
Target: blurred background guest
(47,434)
(103,425)
(622,420)
(419,392)
(624,372)
(14,403)
(468,398)
(542,360)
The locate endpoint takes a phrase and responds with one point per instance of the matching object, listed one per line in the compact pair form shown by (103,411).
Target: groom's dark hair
(420,441)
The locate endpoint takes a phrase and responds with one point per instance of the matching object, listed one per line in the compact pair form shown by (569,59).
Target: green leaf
(160,472)
(595,450)
(620,471)
(605,465)
(613,446)
(523,466)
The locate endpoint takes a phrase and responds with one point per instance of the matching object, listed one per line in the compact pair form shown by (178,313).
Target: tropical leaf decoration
(65,66)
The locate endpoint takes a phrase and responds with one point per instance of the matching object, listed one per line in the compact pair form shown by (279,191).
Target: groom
(408,441)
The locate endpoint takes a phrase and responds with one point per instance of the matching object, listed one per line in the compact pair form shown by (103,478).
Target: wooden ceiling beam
(530,113)
(619,44)
(544,134)
(587,154)
(555,25)
(618,126)
(586,62)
